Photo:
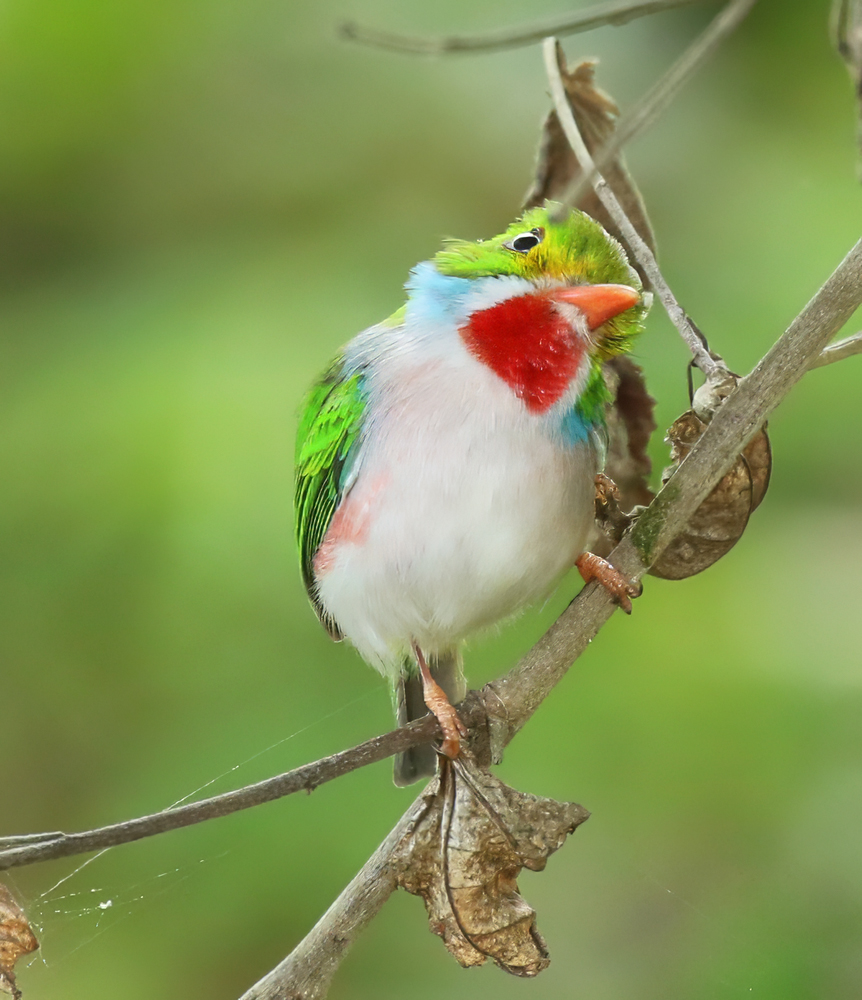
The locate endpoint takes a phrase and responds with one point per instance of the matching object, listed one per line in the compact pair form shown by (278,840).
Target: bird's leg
(593,567)
(440,706)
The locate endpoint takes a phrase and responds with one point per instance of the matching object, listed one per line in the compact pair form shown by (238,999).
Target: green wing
(326,445)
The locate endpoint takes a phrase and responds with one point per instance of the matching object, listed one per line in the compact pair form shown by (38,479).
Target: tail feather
(421,762)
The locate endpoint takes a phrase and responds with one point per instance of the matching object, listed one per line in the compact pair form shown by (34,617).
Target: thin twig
(645,257)
(616,12)
(654,102)
(28,849)
(521,691)
(838,351)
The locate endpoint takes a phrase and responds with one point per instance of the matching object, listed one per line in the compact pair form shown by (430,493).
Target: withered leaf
(758,457)
(16,939)
(557,167)
(628,461)
(630,423)
(718,523)
(464,855)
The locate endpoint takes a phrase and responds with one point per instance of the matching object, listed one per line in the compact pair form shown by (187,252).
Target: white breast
(463,510)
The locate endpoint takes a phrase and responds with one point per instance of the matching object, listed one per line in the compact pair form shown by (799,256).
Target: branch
(838,351)
(28,849)
(645,257)
(616,12)
(306,973)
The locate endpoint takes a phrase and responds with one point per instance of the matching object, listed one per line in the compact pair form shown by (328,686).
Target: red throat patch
(529,345)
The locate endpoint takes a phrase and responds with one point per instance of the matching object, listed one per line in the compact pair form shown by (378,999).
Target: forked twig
(507,704)
(510,701)
(838,351)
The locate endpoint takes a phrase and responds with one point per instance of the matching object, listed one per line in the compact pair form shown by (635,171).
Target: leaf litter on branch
(16,939)
(463,857)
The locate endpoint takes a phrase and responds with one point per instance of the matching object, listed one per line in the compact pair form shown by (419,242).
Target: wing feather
(327,442)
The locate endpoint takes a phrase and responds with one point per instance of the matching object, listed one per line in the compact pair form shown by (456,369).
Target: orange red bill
(598,303)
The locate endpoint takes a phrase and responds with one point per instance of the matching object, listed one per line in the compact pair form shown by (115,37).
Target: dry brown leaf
(557,167)
(718,523)
(464,855)
(16,939)
(758,457)
(624,484)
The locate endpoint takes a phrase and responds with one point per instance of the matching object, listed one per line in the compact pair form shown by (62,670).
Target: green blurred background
(200,201)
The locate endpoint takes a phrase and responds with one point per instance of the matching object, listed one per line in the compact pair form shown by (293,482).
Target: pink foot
(440,706)
(593,567)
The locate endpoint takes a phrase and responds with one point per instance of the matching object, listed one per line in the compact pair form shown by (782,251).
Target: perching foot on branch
(593,567)
(440,706)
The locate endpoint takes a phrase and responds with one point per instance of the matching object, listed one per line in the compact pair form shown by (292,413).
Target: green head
(546,245)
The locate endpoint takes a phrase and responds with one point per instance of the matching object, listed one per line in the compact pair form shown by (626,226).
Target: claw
(440,706)
(593,567)
(453,729)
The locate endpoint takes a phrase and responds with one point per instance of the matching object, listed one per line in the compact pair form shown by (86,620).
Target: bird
(446,460)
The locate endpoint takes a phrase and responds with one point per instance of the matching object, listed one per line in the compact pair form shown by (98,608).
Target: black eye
(524,242)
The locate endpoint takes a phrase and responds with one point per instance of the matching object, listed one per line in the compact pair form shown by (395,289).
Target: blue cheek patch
(434,297)
(573,428)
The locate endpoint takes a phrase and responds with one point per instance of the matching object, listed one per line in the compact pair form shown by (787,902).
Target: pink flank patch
(529,345)
(349,525)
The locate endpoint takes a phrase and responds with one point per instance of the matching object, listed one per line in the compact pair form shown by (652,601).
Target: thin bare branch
(645,257)
(654,102)
(838,351)
(615,12)
(28,849)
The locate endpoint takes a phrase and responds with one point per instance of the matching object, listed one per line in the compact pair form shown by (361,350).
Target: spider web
(68,916)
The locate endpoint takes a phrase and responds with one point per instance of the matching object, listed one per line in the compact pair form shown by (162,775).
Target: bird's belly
(452,532)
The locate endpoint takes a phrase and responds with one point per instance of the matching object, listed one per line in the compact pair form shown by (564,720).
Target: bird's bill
(598,303)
